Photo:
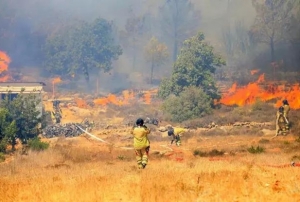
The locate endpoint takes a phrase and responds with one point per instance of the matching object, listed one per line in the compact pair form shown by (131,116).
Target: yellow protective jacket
(178,131)
(140,137)
(286,110)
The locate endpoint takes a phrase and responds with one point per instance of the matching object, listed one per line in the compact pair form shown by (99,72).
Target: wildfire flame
(81,103)
(147,97)
(248,94)
(115,100)
(4,62)
(127,97)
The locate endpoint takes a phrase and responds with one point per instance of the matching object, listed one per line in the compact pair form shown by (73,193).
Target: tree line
(84,48)
(75,47)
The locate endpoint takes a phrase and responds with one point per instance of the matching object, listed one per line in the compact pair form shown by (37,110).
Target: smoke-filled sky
(29,21)
(42,11)
(32,19)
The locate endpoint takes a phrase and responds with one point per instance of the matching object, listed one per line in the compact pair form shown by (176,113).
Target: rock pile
(67,130)
(153,121)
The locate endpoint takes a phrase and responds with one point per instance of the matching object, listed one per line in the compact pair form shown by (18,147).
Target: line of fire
(236,95)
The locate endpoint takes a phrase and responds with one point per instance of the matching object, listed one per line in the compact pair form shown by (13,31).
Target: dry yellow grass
(81,170)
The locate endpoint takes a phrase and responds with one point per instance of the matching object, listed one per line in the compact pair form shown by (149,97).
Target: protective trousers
(281,126)
(142,156)
(177,140)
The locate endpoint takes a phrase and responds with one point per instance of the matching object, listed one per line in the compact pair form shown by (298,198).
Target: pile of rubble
(67,130)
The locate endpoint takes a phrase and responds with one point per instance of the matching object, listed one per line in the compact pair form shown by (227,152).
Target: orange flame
(4,62)
(127,97)
(147,97)
(250,93)
(81,103)
(115,100)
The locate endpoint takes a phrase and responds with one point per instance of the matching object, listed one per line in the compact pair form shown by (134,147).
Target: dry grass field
(209,166)
(82,169)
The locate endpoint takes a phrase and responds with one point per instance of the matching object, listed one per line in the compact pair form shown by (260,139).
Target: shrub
(258,105)
(211,153)
(37,145)
(192,103)
(215,152)
(255,150)
(3,145)
(121,157)
(295,157)
(198,153)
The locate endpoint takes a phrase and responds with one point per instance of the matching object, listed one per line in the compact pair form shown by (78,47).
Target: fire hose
(101,140)
(292,164)
(97,138)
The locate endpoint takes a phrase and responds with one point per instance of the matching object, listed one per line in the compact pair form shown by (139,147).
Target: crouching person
(141,143)
(176,133)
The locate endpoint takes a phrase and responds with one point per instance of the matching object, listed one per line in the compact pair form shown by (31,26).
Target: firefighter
(141,143)
(286,110)
(57,112)
(176,133)
(53,117)
(280,122)
(57,116)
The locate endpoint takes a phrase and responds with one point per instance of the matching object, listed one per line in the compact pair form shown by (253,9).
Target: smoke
(24,26)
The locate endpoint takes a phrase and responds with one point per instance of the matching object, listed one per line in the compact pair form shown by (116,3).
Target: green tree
(24,115)
(191,103)
(156,54)
(272,22)
(195,66)
(4,122)
(179,21)
(82,49)
(8,130)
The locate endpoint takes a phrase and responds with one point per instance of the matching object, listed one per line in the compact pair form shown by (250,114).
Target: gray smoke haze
(30,21)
